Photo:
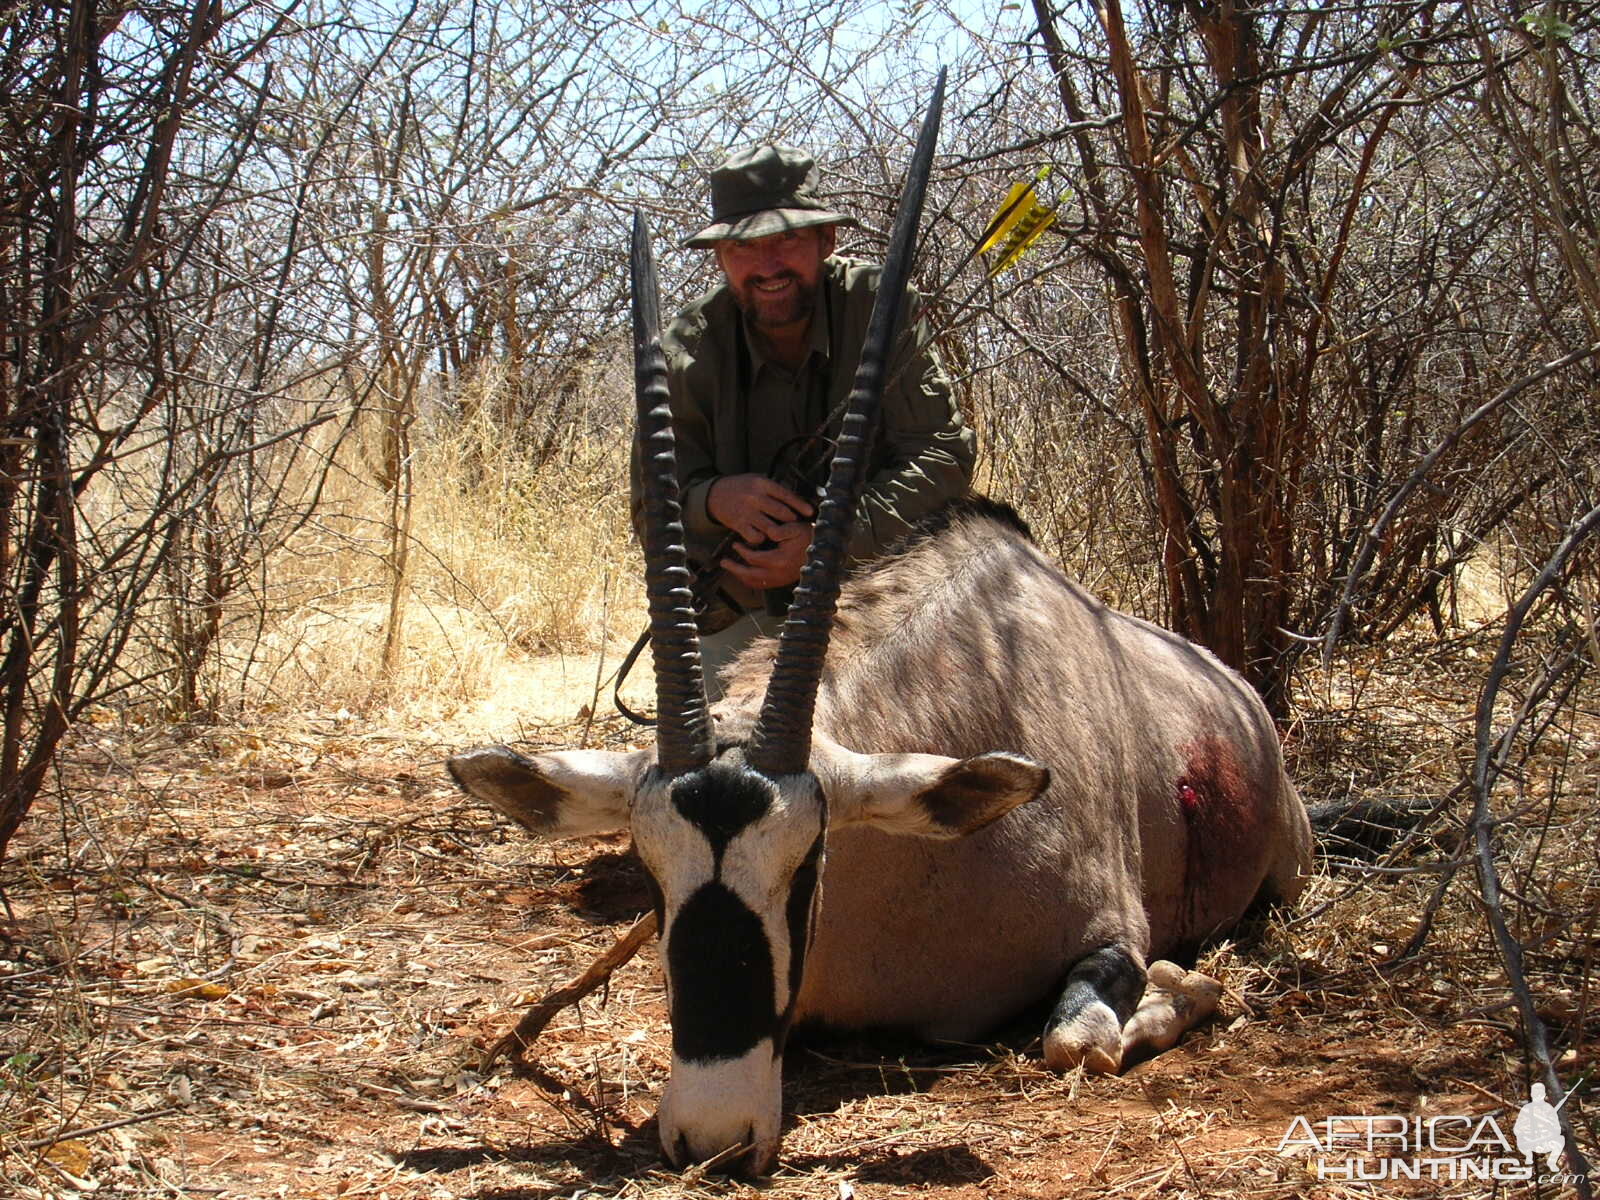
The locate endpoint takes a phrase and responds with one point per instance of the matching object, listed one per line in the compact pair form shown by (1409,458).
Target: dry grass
(507,560)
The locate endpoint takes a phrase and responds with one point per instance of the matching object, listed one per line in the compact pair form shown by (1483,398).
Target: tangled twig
(536,1018)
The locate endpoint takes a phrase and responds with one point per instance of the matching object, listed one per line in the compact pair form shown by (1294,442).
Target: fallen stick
(536,1018)
(44,1142)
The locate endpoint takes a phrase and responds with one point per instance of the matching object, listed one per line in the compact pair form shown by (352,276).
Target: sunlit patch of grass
(511,552)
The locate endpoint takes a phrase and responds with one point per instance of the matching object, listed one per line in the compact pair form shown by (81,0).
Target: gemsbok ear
(925,795)
(569,793)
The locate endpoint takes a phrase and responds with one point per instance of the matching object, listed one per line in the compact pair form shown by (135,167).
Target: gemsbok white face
(734,858)
(734,855)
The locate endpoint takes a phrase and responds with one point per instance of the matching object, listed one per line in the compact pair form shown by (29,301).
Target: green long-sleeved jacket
(922,457)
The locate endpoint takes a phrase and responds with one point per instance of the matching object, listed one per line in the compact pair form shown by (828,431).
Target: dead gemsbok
(968,787)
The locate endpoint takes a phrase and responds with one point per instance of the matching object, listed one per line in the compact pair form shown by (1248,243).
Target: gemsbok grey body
(971,787)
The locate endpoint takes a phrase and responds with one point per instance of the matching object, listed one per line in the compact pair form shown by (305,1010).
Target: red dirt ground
(284,953)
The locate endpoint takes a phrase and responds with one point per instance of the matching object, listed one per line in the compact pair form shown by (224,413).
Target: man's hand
(776,566)
(756,508)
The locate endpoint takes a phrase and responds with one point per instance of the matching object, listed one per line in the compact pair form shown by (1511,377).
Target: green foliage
(16,1071)
(1546,24)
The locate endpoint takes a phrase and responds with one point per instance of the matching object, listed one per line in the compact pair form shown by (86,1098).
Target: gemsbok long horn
(781,741)
(683,724)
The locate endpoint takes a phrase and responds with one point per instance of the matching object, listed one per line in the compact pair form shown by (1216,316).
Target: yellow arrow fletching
(1022,237)
(1017,202)
(1018,224)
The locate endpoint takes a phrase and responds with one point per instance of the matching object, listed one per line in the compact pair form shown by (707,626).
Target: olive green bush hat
(762,191)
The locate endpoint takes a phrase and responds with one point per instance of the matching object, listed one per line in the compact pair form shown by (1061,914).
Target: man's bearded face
(775,279)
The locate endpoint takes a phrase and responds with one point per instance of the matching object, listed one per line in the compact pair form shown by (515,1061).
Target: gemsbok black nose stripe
(723,995)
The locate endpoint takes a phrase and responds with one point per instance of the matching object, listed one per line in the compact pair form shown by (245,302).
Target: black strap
(639,644)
